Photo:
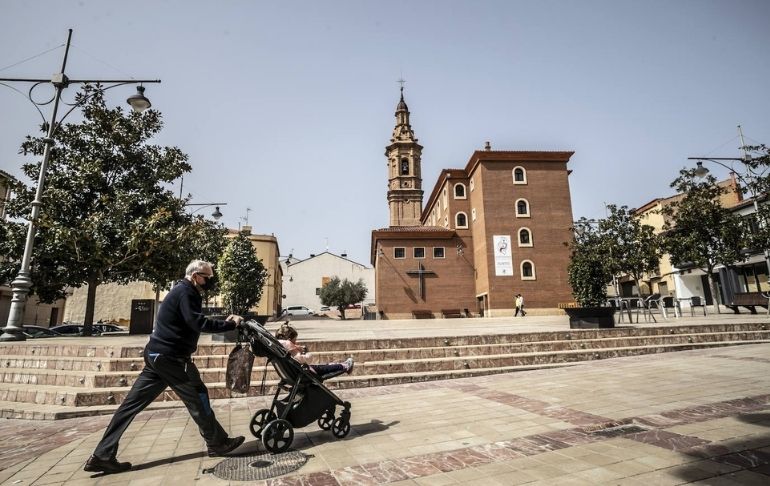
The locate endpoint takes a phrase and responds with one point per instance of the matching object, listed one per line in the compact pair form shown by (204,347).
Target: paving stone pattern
(694,417)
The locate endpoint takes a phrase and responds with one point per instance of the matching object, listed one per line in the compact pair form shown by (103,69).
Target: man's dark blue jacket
(180,322)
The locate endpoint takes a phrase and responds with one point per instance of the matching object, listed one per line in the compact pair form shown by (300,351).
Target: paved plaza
(699,417)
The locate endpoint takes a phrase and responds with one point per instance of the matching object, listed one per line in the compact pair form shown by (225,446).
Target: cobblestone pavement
(698,417)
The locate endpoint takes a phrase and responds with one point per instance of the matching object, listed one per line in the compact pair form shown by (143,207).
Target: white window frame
(516,208)
(443,251)
(465,192)
(513,175)
(521,270)
(457,225)
(531,239)
(414,252)
(396,257)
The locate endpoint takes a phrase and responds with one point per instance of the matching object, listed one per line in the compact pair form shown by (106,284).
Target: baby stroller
(306,398)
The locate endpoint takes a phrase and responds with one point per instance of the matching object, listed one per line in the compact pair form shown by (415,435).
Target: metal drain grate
(263,466)
(624,429)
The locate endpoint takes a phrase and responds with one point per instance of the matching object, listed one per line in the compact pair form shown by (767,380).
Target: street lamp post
(60,81)
(701,171)
(216,214)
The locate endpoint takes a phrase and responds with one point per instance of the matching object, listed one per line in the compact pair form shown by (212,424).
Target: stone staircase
(50,379)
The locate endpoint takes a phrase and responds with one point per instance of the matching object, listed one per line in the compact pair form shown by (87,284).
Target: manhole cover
(619,430)
(263,466)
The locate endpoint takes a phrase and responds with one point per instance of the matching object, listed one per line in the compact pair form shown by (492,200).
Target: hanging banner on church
(503,258)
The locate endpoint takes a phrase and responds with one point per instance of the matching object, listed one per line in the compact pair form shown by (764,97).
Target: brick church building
(488,231)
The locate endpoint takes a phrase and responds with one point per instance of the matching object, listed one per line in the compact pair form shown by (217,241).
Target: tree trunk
(714,292)
(88,320)
(342,311)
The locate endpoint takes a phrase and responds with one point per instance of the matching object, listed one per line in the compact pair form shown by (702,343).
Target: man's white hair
(197,266)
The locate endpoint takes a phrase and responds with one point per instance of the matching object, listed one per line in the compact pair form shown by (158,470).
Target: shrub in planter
(589,273)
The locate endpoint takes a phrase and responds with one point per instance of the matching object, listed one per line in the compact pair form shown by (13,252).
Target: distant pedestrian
(168,363)
(519,306)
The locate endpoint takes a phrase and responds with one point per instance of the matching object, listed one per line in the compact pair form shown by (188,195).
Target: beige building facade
(113,301)
(266,249)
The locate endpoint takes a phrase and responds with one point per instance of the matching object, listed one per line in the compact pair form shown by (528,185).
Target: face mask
(208,284)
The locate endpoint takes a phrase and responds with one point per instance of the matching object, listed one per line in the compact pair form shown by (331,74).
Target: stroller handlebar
(252,325)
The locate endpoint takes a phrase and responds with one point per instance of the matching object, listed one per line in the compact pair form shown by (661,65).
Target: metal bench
(449,313)
(749,300)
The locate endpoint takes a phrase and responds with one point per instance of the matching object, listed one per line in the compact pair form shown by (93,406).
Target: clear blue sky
(286,106)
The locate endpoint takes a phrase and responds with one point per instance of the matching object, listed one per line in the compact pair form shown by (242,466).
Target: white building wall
(301,279)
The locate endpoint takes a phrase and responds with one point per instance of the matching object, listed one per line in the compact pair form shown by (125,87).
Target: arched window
(527,270)
(525,237)
(519,175)
(404,166)
(459,191)
(461,220)
(522,208)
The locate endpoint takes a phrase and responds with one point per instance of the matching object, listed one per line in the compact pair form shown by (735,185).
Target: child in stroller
(287,336)
(305,398)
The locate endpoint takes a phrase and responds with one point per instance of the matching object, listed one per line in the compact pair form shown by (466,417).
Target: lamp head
(217,213)
(138,101)
(701,171)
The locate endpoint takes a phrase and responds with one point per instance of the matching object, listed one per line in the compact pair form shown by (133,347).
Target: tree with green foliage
(757,184)
(201,239)
(241,276)
(589,270)
(700,231)
(342,293)
(108,215)
(633,248)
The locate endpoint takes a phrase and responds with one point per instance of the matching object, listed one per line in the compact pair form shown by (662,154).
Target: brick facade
(485,196)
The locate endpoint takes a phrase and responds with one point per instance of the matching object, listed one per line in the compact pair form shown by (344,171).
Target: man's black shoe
(109,466)
(229,445)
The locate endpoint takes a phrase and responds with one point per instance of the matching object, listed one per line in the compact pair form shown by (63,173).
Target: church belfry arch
(404,171)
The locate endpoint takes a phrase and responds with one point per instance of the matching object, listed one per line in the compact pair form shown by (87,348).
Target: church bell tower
(404,172)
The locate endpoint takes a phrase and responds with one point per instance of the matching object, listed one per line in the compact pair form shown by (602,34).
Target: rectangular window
(318,290)
(399,252)
(419,252)
(438,252)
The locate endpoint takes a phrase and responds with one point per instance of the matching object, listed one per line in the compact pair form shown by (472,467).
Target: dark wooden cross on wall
(420,273)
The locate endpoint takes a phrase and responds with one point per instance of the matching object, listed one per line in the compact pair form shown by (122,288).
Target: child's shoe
(348,364)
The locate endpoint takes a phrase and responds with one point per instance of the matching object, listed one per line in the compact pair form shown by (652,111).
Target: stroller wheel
(259,420)
(277,436)
(340,427)
(326,420)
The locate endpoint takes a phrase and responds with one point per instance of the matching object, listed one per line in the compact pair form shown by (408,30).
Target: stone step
(217,361)
(89,372)
(33,411)
(90,347)
(16,398)
(369,374)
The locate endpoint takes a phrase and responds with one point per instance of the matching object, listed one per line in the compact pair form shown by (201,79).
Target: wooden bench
(749,300)
(422,314)
(449,313)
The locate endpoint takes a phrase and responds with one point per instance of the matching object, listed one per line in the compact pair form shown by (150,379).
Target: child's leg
(327,368)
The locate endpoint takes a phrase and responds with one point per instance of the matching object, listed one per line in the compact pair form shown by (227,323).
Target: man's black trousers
(161,371)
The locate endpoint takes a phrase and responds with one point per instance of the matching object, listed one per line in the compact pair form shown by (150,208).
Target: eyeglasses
(205,276)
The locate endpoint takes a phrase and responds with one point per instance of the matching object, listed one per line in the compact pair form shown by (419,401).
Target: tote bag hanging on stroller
(238,377)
